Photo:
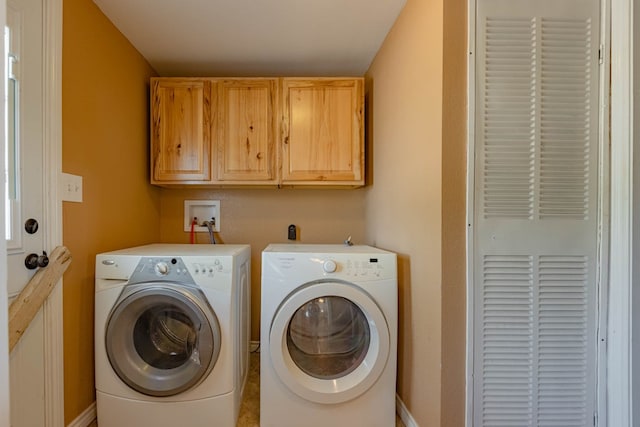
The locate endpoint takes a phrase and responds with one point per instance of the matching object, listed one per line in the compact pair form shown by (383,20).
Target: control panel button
(162,268)
(329,266)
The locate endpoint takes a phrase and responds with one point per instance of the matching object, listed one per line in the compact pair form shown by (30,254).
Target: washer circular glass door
(329,342)
(162,339)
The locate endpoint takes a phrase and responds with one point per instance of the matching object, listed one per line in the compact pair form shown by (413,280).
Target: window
(11,154)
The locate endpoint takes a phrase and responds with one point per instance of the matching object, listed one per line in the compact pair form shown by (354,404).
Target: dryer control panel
(360,267)
(366,268)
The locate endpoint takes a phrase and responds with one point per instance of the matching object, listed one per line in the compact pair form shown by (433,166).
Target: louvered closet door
(536,218)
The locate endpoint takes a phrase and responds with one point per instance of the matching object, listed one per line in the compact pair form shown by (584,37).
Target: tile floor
(250,408)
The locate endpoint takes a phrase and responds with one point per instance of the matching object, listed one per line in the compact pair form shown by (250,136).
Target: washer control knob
(162,268)
(329,266)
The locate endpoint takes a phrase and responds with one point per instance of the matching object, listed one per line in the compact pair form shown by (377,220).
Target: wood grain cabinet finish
(257,131)
(247,131)
(323,131)
(181,130)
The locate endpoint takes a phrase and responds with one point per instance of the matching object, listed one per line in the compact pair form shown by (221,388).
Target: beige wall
(454,159)
(260,217)
(416,203)
(105,139)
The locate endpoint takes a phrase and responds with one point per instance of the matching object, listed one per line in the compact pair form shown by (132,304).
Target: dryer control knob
(329,266)
(162,268)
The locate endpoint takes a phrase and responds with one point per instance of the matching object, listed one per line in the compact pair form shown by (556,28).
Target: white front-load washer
(328,336)
(171,335)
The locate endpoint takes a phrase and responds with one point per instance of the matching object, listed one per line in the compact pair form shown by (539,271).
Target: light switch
(71,188)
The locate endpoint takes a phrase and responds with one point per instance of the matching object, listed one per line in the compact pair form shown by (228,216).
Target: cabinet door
(247,126)
(180,130)
(323,131)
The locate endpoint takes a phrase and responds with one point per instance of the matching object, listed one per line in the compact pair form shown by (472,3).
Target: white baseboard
(86,417)
(405,415)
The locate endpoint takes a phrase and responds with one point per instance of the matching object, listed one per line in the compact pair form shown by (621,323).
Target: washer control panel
(208,268)
(161,268)
(205,264)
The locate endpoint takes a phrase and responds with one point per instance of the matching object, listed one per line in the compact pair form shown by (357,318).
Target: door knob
(33,261)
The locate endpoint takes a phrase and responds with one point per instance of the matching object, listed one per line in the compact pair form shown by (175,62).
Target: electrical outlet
(202,210)
(71,188)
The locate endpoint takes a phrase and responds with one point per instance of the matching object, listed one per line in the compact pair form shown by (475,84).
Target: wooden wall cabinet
(257,131)
(323,131)
(247,131)
(181,129)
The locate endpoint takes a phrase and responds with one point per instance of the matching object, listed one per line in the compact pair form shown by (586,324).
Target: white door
(25,199)
(537,222)
(26,108)
(4,353)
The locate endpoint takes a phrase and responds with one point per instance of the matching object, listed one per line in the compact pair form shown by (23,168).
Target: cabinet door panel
(181,130)
(247,130)
(324,131)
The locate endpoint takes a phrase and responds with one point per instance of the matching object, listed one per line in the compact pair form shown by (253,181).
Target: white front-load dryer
(171,335)
(328,336)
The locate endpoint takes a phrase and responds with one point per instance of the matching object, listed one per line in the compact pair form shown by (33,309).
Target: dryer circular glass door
(162,339)
(329,342)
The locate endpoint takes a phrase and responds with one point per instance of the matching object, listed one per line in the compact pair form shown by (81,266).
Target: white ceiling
(255,37)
